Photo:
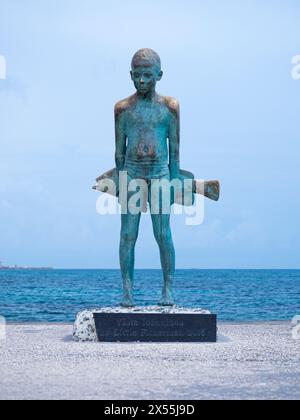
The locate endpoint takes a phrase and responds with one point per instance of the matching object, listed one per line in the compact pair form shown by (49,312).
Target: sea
(56,296)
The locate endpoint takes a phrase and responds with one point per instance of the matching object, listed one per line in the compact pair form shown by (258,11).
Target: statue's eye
(136,75)
(148,75)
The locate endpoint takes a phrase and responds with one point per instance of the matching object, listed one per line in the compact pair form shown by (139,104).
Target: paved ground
(250,361)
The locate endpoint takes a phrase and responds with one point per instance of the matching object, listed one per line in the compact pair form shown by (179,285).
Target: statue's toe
(166,301)
(127,303)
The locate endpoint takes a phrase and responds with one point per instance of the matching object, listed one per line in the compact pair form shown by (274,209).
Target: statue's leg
(129,235)
(163,236)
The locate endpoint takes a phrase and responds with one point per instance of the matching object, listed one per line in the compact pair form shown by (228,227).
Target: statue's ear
(160,75)
(131,74)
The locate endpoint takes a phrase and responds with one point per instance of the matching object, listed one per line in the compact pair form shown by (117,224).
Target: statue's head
(146,70)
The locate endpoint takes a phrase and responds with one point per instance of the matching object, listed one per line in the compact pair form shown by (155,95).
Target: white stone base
(85,329)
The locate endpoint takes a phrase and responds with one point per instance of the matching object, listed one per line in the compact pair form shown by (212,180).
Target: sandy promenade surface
(250,361)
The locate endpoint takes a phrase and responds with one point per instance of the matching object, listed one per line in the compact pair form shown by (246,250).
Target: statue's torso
(147,130)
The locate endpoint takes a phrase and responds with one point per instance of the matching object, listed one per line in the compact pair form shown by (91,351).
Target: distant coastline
(17,267)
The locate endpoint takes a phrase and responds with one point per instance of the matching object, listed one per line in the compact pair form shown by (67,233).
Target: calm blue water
(235,295)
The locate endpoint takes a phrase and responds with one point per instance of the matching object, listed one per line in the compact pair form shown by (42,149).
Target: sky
(230,66)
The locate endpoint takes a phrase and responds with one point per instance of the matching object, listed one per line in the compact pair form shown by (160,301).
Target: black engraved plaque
(156,328)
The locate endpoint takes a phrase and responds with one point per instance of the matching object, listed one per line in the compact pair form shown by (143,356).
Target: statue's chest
(150,117)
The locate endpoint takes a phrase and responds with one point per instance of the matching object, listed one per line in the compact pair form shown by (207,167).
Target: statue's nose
(142,81)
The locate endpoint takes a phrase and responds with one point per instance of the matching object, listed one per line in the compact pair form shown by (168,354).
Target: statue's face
(145,78)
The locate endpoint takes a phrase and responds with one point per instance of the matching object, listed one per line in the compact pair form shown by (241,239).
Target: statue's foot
(167,300)
(127,302)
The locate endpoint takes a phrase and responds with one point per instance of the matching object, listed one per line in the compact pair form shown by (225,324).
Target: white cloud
(296,68)
(2,67)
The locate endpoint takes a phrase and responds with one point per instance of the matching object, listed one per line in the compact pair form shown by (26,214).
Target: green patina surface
(147,129)
(147,147)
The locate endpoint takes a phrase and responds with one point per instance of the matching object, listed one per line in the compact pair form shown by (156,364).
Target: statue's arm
(120,137)
(174,138)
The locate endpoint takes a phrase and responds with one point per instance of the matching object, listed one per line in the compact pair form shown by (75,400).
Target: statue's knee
(163,236)
(128,239)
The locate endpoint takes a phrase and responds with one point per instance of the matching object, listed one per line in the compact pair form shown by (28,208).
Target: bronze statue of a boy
(144,124)
(147,129)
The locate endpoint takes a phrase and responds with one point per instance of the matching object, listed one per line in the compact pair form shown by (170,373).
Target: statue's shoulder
(125,104)
(171,103)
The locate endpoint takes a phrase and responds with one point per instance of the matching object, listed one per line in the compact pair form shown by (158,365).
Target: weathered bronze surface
(147,127)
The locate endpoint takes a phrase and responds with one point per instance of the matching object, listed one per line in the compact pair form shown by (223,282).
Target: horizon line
(179,268)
